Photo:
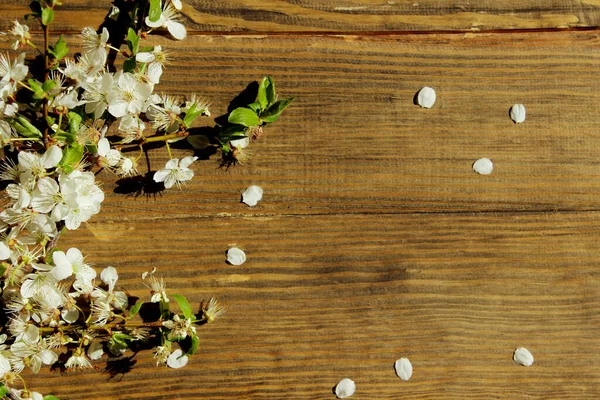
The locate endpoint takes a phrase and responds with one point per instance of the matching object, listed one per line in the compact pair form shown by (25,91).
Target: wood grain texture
(346,15)
(321,298)
(354,142)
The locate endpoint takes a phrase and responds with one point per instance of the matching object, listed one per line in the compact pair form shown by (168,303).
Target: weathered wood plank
(326,297)
(346,15)
(354,142)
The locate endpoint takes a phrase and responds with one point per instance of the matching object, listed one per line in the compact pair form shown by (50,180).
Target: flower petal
(252,195)
(177,359)
(236,256)
(177,30)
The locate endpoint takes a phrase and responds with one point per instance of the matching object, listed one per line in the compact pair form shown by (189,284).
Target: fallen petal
(177,359)
(236,256)
(403,369)
(483,166)
(252,195)
(522,356)
(426,97)
(345,388)
(517,113)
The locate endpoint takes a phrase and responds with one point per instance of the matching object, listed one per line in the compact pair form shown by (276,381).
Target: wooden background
(375,240)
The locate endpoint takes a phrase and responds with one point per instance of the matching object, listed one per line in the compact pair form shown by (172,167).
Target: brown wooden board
(345,15)
(354,142)
(321,298)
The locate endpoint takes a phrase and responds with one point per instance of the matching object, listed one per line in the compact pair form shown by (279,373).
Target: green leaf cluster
(59,50)
(264,110)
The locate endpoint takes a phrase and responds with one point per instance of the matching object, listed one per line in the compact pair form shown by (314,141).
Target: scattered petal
(483,166)
(345,388)
(177,359)
(252,195)
(426,97)
(236,256)
(403,368)
(522,356)
(517,113)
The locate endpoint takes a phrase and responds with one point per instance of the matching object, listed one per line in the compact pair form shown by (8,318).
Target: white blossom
(94,44)
(19,35)
(15,72)
(128,96)
(155,61)
(168,19)
(175,172)
(71,263)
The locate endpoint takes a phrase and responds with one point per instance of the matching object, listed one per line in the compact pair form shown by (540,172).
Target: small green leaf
(256,107)
(120,337)
(36,86)
(266,92)
(155,10)
(129,65)
(3,391)
(198,142)
(244,116)
(47,16)
(3,267)
(72,155)
(232,132)
(135,308)
(60,49)
(133,41)
(25,128)
(48,85)
(194,344)
(184,305)
(74,122)
(273,112)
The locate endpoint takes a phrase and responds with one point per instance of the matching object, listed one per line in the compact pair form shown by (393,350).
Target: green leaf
(129,64)
(48,85)
(266,92)
(3,391)
(135,309)
(25,128)
(120,337)
(3,267)
(60,49)
(155,10)
(133,41)
(36,86)
(74,122)
(273,112)
(198,142)
(47,16)
(184,305)
(194,344)
(244,116)
(232,132)
(72,155)
(256,107)
(50,397)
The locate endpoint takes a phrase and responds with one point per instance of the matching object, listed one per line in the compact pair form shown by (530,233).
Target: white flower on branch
(168,19)
(94,44)
(33,165)
(71,263)
(175,172)
(128,97)
(96,94)
(15,72)
(131,128)
(155,61)
(18,35)
(166,117)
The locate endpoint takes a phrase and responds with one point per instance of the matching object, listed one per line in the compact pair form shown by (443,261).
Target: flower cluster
(54,124)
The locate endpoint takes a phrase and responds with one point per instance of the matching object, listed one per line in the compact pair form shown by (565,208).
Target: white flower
(165,117)
(236,256)
(155,60)
(96,94)
(5,253)
(71,263)
(127,167)
(15,72)
(31,164)
(94,44)
(177,359)
(128,96)
(157,287)
(131,127)
(78,360)
(168,19)
(175,172)
(82,198)
(109,157)
(66,100)
(212,310)
(252,195)
(19,35)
